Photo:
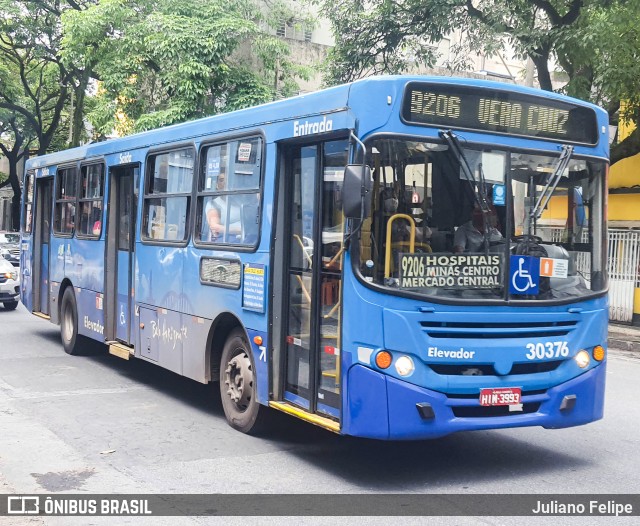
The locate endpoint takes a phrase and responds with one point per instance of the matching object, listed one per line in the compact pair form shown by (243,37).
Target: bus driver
(469,237)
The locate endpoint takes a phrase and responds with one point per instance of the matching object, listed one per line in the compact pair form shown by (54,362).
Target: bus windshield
(457,222)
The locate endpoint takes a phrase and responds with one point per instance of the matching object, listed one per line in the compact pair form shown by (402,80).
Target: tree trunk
(14,181)
(78,110)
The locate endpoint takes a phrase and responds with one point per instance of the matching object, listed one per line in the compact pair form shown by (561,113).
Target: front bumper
(379,406)
(9,290)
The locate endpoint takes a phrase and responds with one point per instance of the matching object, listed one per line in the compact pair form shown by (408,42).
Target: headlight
(404,366)
(582,359)
(4,252)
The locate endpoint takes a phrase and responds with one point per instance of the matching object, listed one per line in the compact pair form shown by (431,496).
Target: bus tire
(69,322)
(10,305)
(238,385)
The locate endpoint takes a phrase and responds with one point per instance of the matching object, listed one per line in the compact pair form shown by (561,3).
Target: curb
(624,344)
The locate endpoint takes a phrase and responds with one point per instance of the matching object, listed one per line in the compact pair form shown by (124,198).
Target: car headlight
(4,252)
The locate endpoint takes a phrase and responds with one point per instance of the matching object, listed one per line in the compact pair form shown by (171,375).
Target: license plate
(501,396)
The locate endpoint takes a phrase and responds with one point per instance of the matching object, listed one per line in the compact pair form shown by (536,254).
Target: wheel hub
(239,380)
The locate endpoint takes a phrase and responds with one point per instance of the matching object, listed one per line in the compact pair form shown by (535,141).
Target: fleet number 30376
(539,351)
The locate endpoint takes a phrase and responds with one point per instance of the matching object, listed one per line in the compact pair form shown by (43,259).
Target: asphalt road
(99,424)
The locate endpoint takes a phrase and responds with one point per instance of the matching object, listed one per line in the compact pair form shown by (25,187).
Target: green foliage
(161,62)
(594,43)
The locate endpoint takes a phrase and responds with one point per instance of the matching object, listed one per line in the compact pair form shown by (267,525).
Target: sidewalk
(624,337)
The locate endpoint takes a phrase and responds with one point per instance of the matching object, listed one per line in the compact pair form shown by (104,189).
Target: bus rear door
(41,245)
(119,278)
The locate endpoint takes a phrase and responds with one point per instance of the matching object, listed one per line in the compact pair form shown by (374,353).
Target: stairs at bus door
(120,350)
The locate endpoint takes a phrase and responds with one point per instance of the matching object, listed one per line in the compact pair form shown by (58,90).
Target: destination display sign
(476,108)
(451,271)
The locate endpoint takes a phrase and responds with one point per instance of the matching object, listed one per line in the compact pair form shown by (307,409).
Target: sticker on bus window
(463,271)
(244,152)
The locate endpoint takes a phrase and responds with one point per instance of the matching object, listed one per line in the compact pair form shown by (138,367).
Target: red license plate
(501,396)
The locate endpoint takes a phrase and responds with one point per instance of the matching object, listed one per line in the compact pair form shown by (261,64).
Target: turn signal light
(383,359)
(257,340)
(598,353)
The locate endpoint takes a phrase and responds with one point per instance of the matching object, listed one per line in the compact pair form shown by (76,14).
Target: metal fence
(623,266)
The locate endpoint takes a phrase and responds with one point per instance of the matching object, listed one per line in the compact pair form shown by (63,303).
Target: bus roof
(358,93)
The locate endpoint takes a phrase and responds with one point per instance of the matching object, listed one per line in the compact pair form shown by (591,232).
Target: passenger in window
(216,214)
(469,237)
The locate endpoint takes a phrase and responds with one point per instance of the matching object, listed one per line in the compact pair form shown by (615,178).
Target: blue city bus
(394,258)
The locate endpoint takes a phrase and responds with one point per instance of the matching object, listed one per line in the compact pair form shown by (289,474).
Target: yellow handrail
(412,240)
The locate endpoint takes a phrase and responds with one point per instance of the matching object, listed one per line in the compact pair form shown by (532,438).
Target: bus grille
(491,330)
(488,370)
(481,411)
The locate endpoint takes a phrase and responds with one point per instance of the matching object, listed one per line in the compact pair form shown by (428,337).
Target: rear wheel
(10,305)
(69,322)
(238,385)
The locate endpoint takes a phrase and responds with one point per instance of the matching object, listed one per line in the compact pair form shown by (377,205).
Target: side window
(229,193)
(168,195)
(66,194)
(28,203)
(91,199)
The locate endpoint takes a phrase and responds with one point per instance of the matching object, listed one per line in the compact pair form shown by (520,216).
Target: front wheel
(10,305)
(238,385)
(69,322)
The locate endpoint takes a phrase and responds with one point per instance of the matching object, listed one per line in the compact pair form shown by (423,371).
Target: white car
(9,285)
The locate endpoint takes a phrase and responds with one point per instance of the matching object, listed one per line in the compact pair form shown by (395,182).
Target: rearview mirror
(357,184)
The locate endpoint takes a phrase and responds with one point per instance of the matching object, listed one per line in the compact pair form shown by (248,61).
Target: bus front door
(119,268)
(41,285)
(312,277)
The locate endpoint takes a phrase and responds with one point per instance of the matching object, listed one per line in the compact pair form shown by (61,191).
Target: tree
(159,62)
(595,42)
(35,86)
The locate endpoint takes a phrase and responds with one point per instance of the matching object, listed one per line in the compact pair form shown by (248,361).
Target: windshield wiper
(477,185)
(552,182)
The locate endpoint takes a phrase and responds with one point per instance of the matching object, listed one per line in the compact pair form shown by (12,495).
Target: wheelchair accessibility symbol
(525,275)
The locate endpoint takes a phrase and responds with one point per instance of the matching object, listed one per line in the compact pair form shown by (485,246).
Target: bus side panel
(90,314)
(171,334)
(59,247)
(193,351)
(159,277)
(260,359)
(53,301)
(87,267)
